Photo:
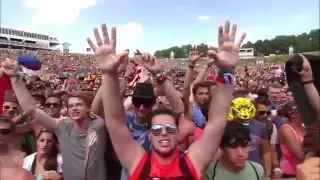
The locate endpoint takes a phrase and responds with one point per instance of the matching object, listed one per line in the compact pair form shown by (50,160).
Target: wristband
(191,66)
(225,77)
(160,77)
(307,82)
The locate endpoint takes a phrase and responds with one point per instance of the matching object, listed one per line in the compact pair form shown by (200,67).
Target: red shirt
(5,84)
(160,170)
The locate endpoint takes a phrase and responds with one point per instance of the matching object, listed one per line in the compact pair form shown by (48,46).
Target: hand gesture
(10,67)
(150,63)
(194,54)
(306,72)
(50,175)
(124,64)
(309,169)
(105,53)
(210,57)
(228,50)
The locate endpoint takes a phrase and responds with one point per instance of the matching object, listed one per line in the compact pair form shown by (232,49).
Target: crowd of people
(110,116)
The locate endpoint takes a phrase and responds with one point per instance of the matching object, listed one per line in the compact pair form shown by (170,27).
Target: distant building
(16,39)
(246,53)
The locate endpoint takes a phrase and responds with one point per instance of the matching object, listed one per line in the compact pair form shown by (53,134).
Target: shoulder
(64,123)
(257,167)
(17,173)
(30,157)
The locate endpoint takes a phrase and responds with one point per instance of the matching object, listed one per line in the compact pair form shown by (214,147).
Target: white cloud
(203,18)
(128,36)
(57,12)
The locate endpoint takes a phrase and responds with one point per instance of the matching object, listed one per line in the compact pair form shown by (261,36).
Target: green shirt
(247,173)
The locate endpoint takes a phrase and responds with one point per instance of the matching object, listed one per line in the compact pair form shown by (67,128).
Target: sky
(150,25)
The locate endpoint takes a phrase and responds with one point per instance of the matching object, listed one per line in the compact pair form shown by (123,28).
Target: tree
(180,51)
(280,44)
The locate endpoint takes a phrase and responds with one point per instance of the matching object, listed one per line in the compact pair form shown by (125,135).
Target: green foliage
(305,42)
(180,51)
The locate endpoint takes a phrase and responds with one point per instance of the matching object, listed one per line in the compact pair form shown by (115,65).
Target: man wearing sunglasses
(165,161)
(8,156)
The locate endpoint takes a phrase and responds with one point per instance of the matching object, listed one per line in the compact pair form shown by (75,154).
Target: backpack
(144,175)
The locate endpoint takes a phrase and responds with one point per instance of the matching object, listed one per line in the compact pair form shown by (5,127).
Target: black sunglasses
(264,113)
(157,129)
(5,131)
(137,102)
(53,105)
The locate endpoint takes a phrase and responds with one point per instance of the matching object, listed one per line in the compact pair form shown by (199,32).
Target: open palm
(228,54)
(105,53)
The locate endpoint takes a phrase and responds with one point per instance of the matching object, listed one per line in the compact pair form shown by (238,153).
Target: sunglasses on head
(157,129)
(238,143)
(261,113)
(137,102)
(10,107)
(5,131)
(49,105)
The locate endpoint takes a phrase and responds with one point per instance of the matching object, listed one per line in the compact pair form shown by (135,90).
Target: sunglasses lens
(156,130)
(145,102)
(171,129)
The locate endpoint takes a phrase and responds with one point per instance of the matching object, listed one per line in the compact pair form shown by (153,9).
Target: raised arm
(25,99)
(202,151)
(166,85)
(307,81)
(127,150)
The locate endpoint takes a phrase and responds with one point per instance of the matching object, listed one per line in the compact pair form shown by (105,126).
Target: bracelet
(191,66)
(307,82)
(160,77)
(225,77)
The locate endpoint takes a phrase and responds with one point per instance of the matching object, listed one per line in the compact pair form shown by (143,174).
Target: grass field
(278,58)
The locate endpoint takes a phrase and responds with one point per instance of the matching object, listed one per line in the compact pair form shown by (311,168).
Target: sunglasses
(293,109)
(10,107)
(261,113)
(157,129)
(5,131)
(53,105)
(137,102)
(242,144)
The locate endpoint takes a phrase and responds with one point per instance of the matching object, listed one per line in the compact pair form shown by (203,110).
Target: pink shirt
(288,161)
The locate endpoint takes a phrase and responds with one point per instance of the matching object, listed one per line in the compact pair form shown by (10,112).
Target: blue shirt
(197,117)
(258,132)
(139,133)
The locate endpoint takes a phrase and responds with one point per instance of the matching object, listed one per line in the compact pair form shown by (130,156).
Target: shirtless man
(8,156)
(9,173)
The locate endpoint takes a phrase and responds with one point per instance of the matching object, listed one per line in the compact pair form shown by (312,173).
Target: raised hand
(150,63)
(228,54)
(105,53)
(210,57)
(194,54)
(10,67)
(306,72)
